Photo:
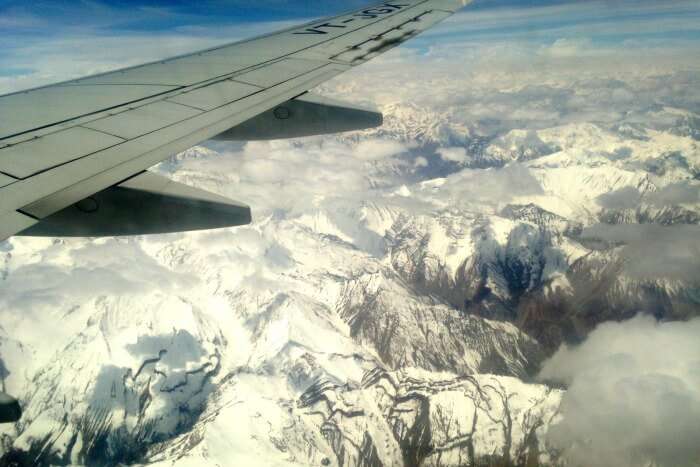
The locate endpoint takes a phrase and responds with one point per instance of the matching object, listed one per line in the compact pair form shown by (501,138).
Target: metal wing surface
(63,143)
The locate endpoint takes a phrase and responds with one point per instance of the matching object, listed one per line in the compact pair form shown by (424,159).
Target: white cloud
(291,176)
(633,395)
(113,267)
(655,251)
(677,193)
(80,51)
(567,48)
(458,155)
(420,162)
(624,198)
(491,189)
(575,19)
(377,149)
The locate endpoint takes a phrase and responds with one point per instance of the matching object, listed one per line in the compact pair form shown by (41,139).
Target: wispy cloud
(44,36)
(594,18)
(654,251)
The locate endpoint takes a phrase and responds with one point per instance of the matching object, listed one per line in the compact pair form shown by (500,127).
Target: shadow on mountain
(132,409)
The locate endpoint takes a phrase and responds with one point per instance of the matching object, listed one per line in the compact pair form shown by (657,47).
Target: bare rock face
(546,221)
(489,263)
(415,418)
(598,290)
(408,331)
(536,270)
(647,215)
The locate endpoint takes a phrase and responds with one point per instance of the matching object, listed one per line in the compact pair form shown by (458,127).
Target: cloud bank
(655,251)
(633,396)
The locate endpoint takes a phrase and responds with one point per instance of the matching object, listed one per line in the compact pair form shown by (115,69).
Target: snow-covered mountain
(287,354)
(390,305)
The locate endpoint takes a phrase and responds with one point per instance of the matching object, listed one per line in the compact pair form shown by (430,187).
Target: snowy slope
(135,372)
(396,291)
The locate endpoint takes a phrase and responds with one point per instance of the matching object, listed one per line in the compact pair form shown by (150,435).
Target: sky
(45,41)
(535,17)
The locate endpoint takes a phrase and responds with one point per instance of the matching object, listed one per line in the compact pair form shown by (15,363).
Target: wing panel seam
(47,169)
(123,104)
(8,175)
(103,132)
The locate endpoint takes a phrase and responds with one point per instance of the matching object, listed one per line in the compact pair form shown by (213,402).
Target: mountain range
(391,304)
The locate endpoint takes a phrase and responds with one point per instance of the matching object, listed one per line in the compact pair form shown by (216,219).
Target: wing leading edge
(63,143)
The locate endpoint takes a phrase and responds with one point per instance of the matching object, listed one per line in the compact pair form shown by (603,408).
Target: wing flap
(214,95)
(279,72)
(180,72)
(28,158)
(137,122)
(23,112)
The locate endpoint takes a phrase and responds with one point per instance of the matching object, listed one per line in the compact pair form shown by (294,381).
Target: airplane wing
(74,152)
